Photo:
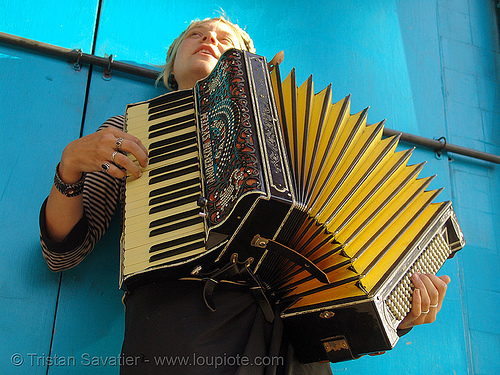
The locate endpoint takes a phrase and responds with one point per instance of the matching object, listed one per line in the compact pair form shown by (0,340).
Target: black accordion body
(332,218)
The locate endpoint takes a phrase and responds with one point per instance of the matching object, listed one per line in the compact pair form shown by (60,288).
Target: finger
(113,170)
(415,313)
(431,289)
(129,139)
(445,278)
(441,285)
(108,145)
(419,284)
(139,143)
(137,150)
(123,161)
(416,304)
(437,292)
(440,282)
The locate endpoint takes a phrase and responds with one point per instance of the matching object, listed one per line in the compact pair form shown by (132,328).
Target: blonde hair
(244,40)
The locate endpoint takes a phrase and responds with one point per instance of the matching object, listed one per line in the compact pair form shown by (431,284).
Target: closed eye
(227,40)
(195,33)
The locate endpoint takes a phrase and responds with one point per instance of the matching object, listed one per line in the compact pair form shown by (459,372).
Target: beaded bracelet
(69,190)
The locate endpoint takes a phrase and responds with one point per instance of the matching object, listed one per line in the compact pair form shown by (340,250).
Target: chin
(203,71)
(193,72)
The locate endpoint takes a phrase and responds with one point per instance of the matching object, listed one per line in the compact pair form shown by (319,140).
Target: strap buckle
(237,270)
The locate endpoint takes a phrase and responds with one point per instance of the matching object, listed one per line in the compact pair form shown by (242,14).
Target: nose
(211,37)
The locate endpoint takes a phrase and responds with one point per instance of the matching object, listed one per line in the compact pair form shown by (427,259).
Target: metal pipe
(76,56)
(439,146)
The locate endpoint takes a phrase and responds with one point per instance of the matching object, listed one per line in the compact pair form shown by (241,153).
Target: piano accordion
(333,218)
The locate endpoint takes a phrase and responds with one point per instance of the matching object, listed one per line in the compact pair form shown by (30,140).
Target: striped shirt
(101,194)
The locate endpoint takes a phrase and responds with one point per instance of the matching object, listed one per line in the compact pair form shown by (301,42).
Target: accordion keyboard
(162,222)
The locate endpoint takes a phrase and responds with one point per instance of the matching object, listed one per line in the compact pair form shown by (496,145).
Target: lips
(206,50)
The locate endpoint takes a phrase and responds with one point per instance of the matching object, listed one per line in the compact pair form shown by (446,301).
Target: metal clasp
(77,66)
(439,151)
(258,241)
(106,75)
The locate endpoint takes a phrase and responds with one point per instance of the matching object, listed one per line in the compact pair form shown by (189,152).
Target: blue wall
(429,67)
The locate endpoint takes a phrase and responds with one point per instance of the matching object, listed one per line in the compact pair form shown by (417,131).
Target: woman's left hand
(427,299)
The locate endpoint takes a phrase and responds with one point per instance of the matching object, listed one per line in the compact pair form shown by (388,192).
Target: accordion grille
(429,261)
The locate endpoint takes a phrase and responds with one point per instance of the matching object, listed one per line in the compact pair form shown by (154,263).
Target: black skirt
(170,330)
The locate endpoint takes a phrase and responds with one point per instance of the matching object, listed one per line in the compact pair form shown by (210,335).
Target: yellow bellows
(364,204)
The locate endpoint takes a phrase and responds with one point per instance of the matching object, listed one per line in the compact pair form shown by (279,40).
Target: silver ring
(425,312)
(105,167)
(118,143)
(113,156)
(436,305)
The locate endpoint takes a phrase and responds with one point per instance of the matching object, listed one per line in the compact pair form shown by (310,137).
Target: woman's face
(200,50)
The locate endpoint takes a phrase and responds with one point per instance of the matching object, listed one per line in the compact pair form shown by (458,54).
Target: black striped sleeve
(101,194)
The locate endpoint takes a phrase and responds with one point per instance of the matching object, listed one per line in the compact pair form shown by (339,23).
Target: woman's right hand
(89,153)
